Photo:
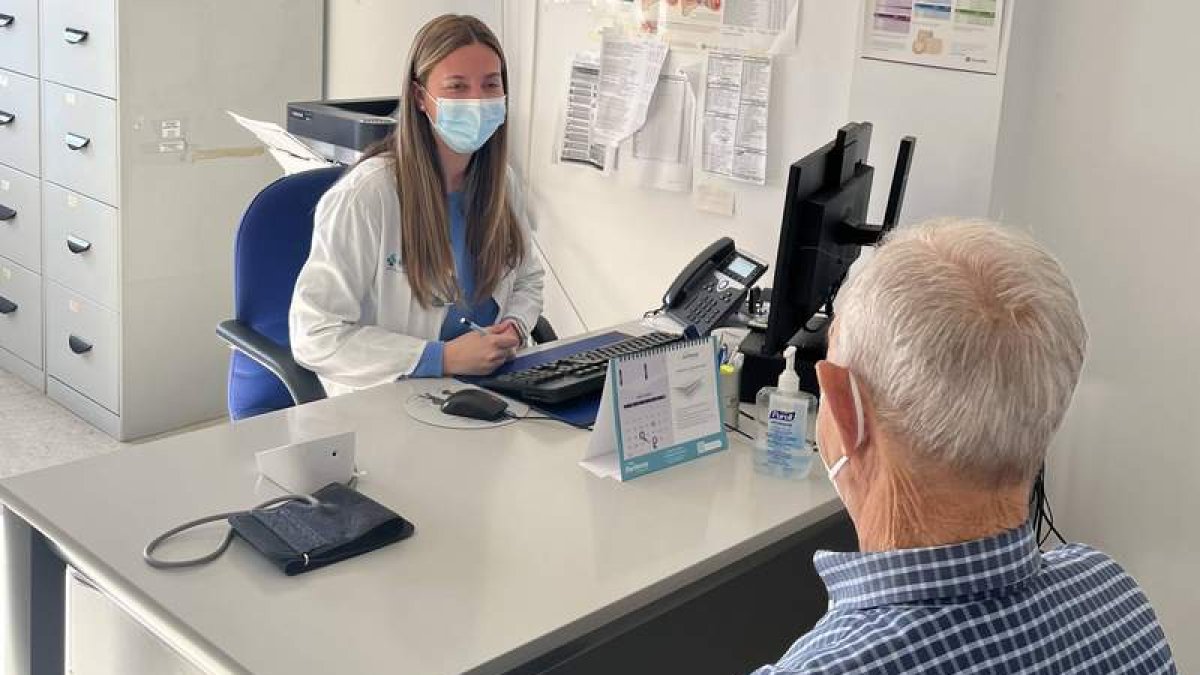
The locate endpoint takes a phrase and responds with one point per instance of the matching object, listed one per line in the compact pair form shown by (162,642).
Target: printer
(341,130)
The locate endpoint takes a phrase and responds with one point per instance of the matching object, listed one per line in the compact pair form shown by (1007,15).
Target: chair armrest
(543,332)
(301,383)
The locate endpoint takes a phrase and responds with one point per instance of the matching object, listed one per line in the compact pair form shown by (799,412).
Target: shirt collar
(862,580)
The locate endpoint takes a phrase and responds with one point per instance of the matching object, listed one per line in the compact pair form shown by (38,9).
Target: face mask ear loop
(837,468)
(425,109)
(858,412)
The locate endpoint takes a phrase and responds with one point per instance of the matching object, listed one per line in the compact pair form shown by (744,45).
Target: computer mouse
(476,404)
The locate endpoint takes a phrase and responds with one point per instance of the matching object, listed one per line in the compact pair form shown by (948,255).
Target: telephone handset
(712,285)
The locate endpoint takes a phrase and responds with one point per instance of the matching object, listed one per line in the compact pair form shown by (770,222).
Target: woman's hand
(474,354)
(507,326)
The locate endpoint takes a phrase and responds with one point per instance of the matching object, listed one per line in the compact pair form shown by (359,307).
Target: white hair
(969,337)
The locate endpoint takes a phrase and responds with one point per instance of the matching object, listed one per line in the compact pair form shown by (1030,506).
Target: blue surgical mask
(465,124)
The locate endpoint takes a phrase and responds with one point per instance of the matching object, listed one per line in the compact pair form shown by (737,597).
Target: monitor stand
(761,368)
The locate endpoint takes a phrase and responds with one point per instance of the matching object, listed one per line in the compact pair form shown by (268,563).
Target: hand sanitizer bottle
(783,447)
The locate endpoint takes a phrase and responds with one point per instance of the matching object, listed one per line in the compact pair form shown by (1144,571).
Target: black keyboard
(572,376)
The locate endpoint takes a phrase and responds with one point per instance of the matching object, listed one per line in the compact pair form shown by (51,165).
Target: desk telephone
(712,286)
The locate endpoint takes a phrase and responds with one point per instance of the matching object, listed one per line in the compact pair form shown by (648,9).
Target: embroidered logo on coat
(392,262)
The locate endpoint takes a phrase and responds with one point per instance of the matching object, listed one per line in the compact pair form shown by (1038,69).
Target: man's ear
(836,389)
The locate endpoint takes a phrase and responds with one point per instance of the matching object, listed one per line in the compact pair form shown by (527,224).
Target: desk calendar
(659,408)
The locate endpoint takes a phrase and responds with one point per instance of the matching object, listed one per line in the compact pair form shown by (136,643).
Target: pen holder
(730,400)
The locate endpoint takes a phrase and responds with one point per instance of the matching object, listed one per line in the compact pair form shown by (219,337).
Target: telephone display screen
(741,267)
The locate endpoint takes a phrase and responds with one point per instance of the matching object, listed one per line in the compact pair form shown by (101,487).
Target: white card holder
(304,468)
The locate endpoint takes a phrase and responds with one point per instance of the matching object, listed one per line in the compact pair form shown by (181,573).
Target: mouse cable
(551,418)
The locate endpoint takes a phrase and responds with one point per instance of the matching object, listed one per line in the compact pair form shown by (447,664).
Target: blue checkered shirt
(996,605)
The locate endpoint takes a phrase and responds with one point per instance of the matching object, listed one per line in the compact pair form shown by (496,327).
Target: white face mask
(837,467)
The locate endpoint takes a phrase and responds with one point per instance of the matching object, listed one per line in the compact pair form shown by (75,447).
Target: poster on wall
(956,34)
(765,26)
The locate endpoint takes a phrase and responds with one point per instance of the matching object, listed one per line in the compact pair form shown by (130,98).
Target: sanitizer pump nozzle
(789,381)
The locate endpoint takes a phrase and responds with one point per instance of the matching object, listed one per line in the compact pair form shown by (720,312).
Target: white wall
(368,40)
(1100,156)
(616,248)
(955,117)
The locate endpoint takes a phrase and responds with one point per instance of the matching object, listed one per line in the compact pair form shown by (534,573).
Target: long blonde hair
(493,234)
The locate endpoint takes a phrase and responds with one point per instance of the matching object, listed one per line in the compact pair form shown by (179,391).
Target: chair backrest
(273,242)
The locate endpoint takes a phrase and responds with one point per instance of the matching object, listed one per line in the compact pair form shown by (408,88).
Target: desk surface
(517,550)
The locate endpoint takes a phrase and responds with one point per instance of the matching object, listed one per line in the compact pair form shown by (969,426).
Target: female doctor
(427,229)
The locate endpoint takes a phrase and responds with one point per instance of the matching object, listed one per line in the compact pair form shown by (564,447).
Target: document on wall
(576,143)
(767,26)
(659,155)
(291,153)
(629,70)
(736,105)
(659,408)
(958,34)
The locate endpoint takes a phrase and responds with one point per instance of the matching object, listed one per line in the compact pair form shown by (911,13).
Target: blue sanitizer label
(787,424)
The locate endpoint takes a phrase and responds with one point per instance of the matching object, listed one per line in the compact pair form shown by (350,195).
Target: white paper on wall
(736,107)
(576,142)
(629,70)
(660,154)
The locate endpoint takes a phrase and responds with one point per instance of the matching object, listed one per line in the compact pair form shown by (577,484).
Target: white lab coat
(354,320)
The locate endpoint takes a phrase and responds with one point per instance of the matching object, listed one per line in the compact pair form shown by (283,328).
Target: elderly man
(952,360)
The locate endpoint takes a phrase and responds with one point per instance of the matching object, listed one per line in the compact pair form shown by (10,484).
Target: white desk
(517,551)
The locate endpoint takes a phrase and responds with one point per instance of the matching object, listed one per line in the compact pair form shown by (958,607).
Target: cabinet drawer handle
(77,245)
(74,35)
(7,213)
(6,117)
(79,345)
(7,306)
(77,142)
(6,20)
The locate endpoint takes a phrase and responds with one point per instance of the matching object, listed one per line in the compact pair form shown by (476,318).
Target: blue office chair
(273,242)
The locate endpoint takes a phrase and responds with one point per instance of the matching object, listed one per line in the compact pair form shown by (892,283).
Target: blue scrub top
(484,313)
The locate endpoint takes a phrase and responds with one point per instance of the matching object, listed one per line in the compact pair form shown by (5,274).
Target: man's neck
(919,511)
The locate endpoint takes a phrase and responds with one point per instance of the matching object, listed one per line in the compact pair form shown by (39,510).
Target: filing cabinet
(21,312)
(20,120)
(21,218)
(122,180)
(19,36)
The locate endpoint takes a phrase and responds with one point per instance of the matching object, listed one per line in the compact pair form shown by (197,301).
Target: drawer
(82,345)
(79,141)
(79,44)
(20,120)
(21,312)
(19,36)
(20,218)
(103,639)
(81,244)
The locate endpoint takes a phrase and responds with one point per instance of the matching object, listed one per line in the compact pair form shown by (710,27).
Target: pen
(473,326)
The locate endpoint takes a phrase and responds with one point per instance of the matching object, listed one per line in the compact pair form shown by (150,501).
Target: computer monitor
(824,189)
(824,227)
